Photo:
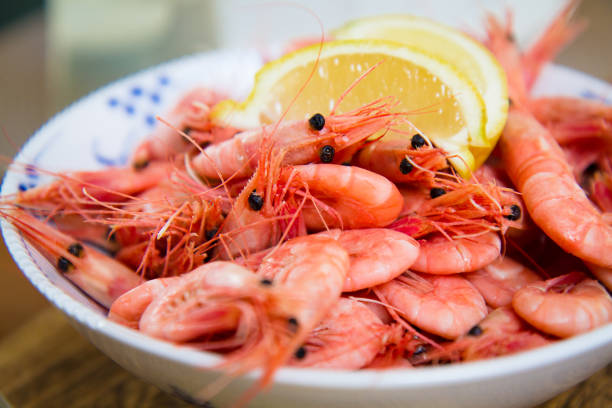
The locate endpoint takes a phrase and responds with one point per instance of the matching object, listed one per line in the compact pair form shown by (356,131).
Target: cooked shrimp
(298,142)
(377,256)
(349,337)
(128,308)
(99,276)
(113,184)
(447,306)
(211,299)
(345,196)
(502,332)
(498,281)
(190,116)
(538,168)
(604,275)
(399,162)
(555,202)
(442,256)
(564,306)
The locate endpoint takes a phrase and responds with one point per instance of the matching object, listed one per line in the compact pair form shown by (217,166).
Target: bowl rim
(433,376)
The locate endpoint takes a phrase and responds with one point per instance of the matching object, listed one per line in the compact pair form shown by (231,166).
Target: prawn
(538,168)
(500,333)
(401,163)
(349,337)
(78,190)
(442,256)
(101,277)
(316,139)
(190,116)
(447,306)
(128,308)
(498,281)
(564,306)
(344,196)
(377,256)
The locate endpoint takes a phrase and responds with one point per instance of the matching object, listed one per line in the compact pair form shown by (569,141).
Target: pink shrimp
(564,306)
(113,184)
(345,196)
(298,142)
(538,168)
(460,208)
(447,306)
(96,274)
(442,256)
(401,163)
(377,256)
(498,281)
(128,308)
(349,337)
(502,332)
(555,202)
(604,275)
(190,116)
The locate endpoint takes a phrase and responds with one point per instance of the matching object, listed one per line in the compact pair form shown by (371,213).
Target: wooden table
(46,363)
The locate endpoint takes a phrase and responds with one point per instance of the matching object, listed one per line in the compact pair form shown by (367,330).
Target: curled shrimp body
(554,200)
(213,298)
(349,337)
(442,256)
(444,305)
(502,332)
(564,306)
(395,160)
(345,196)
(190,115)
(539,169)
(297,141)
(377,256)
(98,275)
(128,308)
(498,281)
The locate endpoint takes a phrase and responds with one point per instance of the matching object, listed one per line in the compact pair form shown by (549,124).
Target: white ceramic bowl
(103,128)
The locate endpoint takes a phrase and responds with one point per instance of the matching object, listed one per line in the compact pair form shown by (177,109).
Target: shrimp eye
(76,249)
(515,213)
(317,121)
(419,350)
(417,141)
(475,331)
(436,192)
(139,165)
(591,170)
(300,353)
(266,282)
(64,264)
(210,234)
(187,131)
(110,235)
(327,153)
(293,323)
(405,166)
(256,201)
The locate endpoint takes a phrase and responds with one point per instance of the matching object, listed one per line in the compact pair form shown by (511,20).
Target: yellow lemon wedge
(445,106)
(467,55)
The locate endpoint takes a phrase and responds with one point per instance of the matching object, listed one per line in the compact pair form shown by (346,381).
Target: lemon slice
(466,54)
(447,107)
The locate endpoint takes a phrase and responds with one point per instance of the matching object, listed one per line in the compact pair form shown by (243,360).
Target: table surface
(46,363)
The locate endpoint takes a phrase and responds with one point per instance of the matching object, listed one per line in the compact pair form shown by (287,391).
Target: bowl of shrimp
(482,292)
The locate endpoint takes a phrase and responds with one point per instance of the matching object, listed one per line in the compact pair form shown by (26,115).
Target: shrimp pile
(312,243)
